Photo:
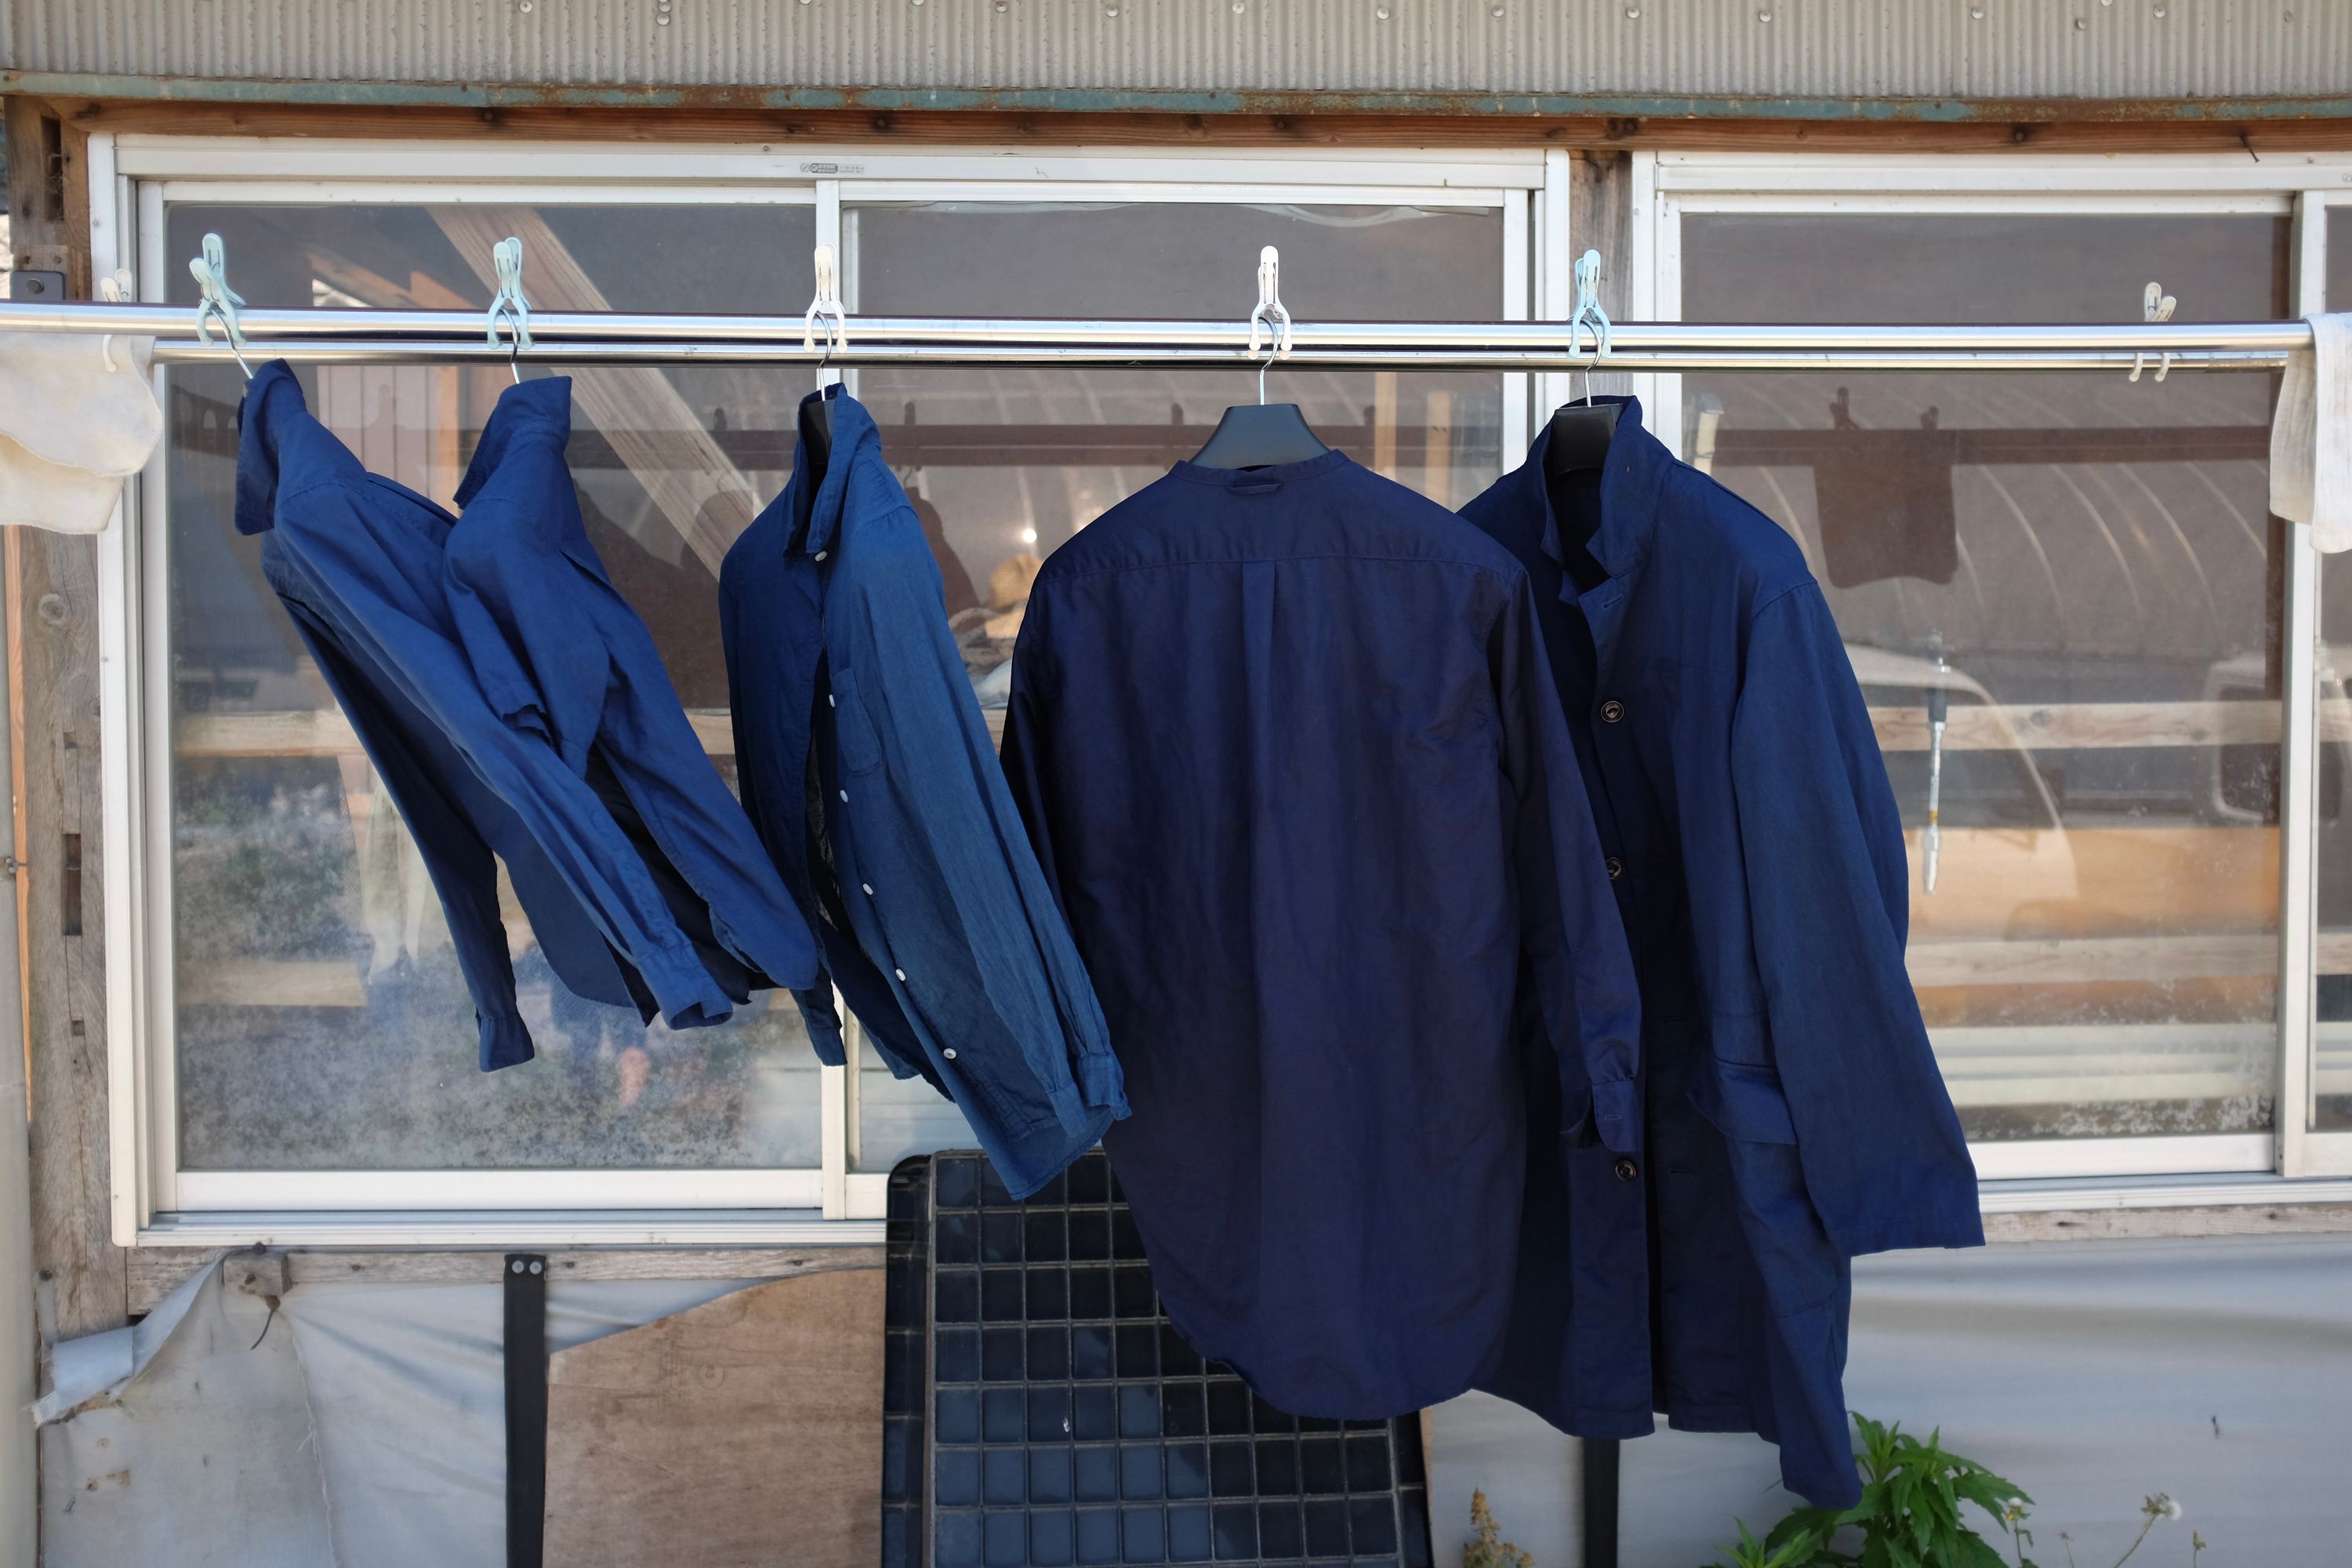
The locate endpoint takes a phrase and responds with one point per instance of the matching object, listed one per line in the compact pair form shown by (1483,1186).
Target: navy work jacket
(1289,748)
(1795,1115)
(868,771)
(360,563)
(564,657)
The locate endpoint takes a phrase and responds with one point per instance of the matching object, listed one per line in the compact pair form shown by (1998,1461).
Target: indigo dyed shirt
(360,563)
(565,659)
(868,769)
(1795,1117)
(1287,743)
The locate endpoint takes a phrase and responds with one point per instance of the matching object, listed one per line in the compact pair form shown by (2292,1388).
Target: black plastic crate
(1067,1422)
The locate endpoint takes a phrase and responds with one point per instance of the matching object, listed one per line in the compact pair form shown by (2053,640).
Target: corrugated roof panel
(1809,48)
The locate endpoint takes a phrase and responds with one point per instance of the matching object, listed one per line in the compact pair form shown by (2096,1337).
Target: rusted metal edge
(1093,101)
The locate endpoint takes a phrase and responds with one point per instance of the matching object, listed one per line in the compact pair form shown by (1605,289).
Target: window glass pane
(1010,463)
(2085,566)
(321,1019)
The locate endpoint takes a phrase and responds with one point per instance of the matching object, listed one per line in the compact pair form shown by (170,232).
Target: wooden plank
(744,1431)
(319,1265)
(2064,726)
(81,1287)
(325,733)
(2172,1224)
(720,114)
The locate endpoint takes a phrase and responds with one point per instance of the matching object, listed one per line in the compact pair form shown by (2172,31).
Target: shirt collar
(817,507)
(540,408)
(1635,467)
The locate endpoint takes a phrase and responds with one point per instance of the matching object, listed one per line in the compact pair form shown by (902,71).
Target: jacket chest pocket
(857,746)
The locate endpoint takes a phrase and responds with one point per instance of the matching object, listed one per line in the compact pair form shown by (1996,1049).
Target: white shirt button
(900,973)
(844,794)
(829,702)
(820,555)
(949,1053)
(869,886)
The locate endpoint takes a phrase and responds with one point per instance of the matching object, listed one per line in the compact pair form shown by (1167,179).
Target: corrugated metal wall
(1797,48)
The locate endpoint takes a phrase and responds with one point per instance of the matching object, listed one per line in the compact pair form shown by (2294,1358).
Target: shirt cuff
(1617,1115)
(1102,1086)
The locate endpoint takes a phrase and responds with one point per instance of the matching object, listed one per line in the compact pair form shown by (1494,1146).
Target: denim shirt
(1795,1117)
(360,563)
(565,659)
(868,769)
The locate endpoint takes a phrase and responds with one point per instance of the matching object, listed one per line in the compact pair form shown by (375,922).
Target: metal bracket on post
(525,1379)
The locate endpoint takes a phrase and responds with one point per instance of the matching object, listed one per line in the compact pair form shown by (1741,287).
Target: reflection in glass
(2085,566)
(2332,1074)
(320,1020)
(1005,465)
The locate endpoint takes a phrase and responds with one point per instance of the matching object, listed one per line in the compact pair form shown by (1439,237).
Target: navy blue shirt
(1795,1117)
(1288,744)
(867,768)
(360,563)
(562,657)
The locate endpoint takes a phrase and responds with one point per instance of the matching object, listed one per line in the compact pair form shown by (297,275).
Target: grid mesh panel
(1068,1423)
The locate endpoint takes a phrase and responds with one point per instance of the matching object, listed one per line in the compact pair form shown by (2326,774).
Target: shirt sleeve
(1570,931)
(956,810)
(1829,892)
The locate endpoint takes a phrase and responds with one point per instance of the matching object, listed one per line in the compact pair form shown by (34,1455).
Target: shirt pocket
(857,745)
(1745,1103)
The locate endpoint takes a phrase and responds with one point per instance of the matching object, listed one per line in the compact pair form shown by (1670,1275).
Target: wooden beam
(81,1283)
(723,115)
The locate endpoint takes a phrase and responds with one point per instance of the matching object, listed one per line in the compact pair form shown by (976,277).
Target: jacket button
(1612,711)
(1626,1170)
(1616,868)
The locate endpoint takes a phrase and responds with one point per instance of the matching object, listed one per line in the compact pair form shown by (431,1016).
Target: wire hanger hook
(216,300)
(826,308)
(1272,313)
(2155,305)
(1590,313)
(506,257)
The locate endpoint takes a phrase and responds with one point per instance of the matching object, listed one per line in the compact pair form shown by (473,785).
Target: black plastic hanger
(1262,434)
(1580,438)
(816,428)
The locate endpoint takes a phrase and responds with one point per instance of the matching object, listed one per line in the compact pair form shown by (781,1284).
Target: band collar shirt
(1287,743)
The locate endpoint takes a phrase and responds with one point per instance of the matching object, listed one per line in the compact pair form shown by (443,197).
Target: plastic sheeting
(365,1428)
(2090,1373)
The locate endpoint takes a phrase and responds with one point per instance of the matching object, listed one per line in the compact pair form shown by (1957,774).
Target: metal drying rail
(570,338)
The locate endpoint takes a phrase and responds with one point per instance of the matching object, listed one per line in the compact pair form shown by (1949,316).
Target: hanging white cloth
(77,417)
(2311,435)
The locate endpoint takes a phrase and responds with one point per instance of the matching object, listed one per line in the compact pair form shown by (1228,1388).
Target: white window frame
(132,179)
(2302,186)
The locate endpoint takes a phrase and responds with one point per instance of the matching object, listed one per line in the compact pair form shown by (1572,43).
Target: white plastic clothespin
(1272,313)
(1589,313)
(826,308)
(218,300)
(506,257)
(119,290)
(2155,305)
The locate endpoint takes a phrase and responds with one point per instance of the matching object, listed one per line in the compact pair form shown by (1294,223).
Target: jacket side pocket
(857,743)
